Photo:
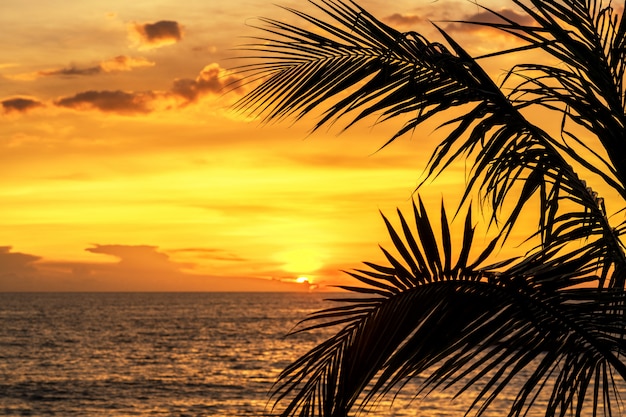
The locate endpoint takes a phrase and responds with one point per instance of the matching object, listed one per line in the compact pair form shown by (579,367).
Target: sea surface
(163,354)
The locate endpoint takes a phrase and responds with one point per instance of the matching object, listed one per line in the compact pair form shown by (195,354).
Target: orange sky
(123,167)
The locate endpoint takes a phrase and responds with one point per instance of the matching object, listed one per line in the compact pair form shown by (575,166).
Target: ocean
(162,354)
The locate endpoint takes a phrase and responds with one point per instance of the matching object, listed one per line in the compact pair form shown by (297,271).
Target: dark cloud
(402,20)
(118,101)
(16,262)
(153,35)
(19,105)
(211,80)
(70,71)
(17,270)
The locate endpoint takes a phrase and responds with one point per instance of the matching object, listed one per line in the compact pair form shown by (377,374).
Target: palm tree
(552,320)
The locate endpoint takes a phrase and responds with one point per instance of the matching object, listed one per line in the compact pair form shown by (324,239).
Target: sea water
(163,354)
(123,354)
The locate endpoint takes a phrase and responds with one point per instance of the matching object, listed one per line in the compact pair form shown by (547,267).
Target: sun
(302,280)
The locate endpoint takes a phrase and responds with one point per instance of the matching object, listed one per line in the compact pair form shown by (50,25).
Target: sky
(125,168)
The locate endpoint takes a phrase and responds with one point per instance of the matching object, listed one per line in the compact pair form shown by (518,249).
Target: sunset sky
(124,167)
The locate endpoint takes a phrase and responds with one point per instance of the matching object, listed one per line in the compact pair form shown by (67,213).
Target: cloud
(139,268)
(17,270)
(20,105)
(116,64)
(119,63)
(139,257)
(411,20)
(69,71)
(212,80)
(145,267)
(15,263)
(121,102)
(124,63)
(403,20)
(155,35)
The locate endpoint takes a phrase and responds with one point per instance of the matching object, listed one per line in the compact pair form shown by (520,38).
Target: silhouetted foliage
(553,319)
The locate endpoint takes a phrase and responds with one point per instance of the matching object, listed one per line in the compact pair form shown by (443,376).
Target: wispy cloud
(156,35)
(116,64)
(119,63)
(68,71)
(124,63)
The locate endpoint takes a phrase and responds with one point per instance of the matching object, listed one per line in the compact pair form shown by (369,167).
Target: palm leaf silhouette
(553,317)
(454,326)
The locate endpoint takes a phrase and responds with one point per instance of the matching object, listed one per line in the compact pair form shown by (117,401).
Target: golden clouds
(212,79)
(109,86)
(156,35)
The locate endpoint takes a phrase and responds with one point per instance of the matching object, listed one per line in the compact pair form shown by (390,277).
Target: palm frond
(383,70)
(456,327)
(326,379)
(587,38)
